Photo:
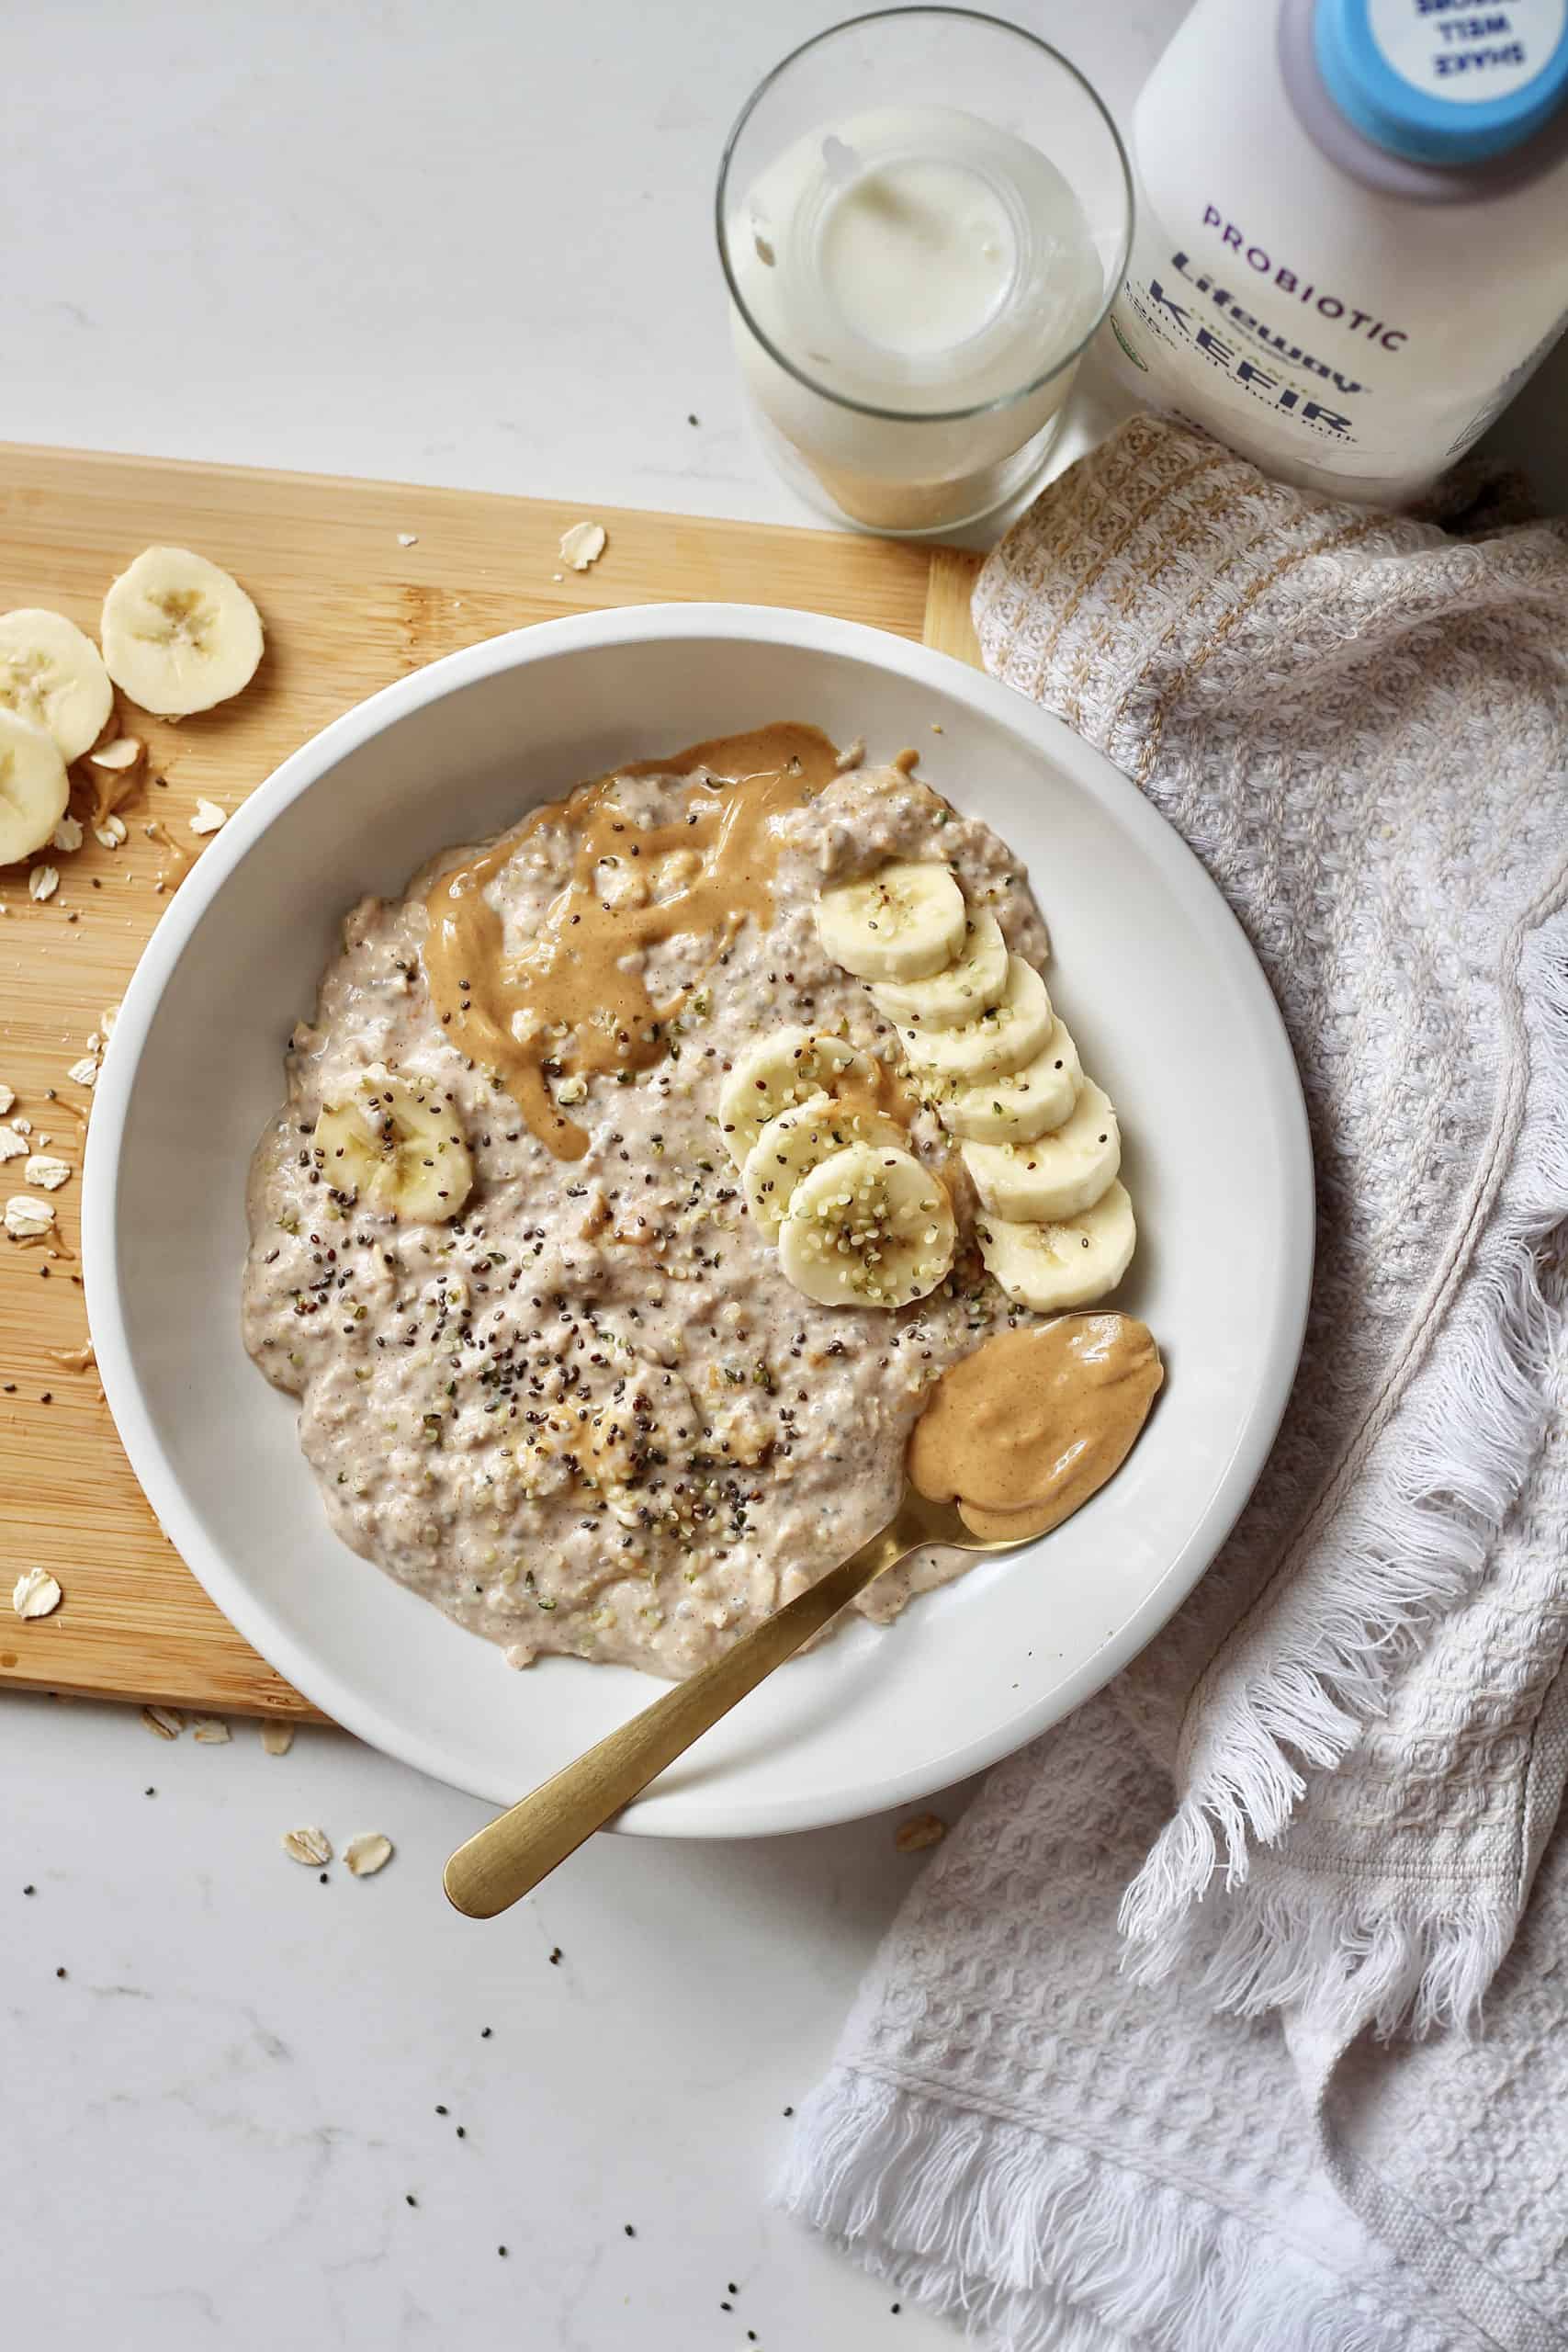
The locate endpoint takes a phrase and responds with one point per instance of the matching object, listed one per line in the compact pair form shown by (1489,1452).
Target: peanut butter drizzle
(508,1013)
(112,787)
(1021,1432)
(884,1094)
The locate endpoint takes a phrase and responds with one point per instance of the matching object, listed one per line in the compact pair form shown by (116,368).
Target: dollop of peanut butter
(1024,1430)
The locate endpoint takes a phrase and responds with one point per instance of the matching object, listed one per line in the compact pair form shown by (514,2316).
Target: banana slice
(974,981)
(903,922)
(1005,1038)
(869,1227)
(790,1146)
(52,674)
(775,1074)
(1016,1107)
(1051,1267)
(34,786)
(178,634)
(1056,1175)
(400,1147)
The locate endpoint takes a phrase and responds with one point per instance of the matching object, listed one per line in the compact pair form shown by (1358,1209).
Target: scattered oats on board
(35,1593)
(583,544)
(210,1730)
(67,834)
(84,1072)
(368,1853)
(123,753)
(207,817)
(43,881)
(278,1738)
(27,1218)
(43,1169)
(921,1830)
(13,1144)
(8,1096)
(312,1845)
(407,538)
(166,1721)
(23,1126)
(112,833)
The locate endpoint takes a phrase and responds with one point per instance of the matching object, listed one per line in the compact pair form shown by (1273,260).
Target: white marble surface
(213,2121)
(468,245)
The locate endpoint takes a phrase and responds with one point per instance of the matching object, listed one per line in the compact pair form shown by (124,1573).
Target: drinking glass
(923,216)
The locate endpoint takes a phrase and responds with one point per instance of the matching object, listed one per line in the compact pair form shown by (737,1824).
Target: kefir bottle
(1352,244)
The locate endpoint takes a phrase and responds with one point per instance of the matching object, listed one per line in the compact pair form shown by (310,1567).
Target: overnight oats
(642,1172)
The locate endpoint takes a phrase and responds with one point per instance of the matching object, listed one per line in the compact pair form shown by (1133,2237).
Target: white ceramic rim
(1284,1313)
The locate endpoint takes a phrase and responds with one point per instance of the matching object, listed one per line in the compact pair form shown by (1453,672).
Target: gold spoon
(513,1852)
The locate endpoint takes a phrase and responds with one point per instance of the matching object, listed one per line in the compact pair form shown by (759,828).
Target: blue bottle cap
(1444,81)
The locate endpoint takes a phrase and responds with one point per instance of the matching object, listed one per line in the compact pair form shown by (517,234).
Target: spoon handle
(513,1852)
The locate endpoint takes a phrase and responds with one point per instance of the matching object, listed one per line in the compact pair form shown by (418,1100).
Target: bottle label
(1255,325)
(1294,366)
(1464,51)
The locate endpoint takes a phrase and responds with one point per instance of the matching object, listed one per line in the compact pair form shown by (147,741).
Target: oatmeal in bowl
(642,1173)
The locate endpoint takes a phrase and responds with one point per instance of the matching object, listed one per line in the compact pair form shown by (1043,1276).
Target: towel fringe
(1463,1452)
(1377,1957)
(1045,2247)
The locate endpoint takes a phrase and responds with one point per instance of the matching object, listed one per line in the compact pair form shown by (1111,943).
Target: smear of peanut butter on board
(177,860)
(566,1000)
(1022,1431)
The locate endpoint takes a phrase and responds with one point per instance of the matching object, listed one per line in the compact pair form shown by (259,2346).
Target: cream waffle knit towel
(1234,2016)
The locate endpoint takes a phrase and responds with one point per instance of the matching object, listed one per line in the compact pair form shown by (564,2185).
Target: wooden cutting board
(348,607)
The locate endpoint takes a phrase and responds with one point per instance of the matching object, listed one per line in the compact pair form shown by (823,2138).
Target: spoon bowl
(510,1855)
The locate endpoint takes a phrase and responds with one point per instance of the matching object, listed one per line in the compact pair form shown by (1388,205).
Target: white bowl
(1156,983)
